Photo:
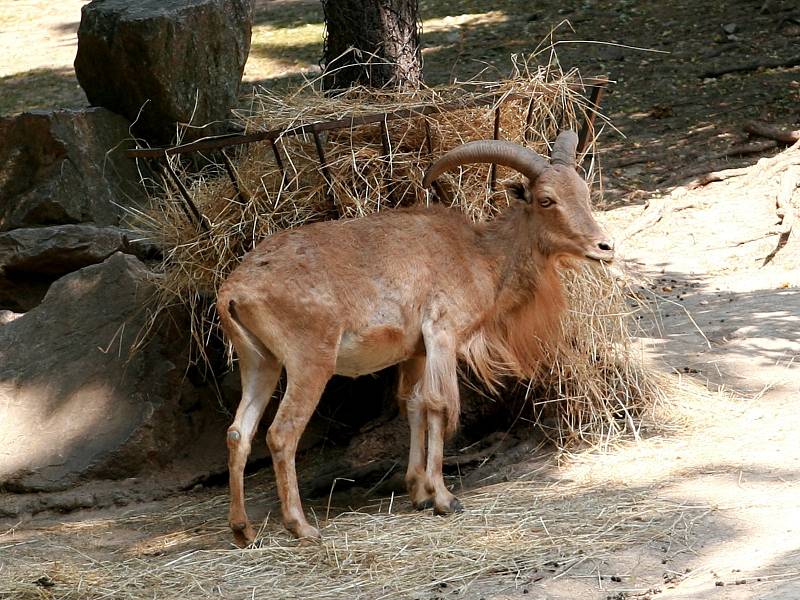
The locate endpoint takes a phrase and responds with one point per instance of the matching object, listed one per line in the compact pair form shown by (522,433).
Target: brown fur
(418,287)
(513,342)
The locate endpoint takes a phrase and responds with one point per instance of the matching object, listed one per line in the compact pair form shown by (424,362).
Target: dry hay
(507,533)
(595,385)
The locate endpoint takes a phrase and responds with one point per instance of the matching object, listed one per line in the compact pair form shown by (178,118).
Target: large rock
(32,258)
(57,249)
(65,167)
(74,401)
(61,249)
(159,62)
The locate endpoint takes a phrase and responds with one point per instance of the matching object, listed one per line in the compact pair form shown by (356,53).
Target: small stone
(45,581)
(6,316)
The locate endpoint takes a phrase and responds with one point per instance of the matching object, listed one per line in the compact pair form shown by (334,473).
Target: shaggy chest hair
(513,337)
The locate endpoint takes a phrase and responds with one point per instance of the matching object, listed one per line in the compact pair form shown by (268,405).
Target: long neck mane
(529,300)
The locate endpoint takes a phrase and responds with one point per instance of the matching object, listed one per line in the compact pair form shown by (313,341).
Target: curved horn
(564,149)
(500,152)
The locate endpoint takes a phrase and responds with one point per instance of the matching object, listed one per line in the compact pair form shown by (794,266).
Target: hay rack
(594,87)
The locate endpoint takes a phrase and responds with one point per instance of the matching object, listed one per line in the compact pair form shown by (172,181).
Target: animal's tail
(234,329)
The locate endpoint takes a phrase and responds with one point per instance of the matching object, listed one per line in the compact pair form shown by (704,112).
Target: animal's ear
(519,191)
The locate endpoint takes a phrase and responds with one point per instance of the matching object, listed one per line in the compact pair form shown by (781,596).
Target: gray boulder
(32,258)
(159,62)
(57,249)
(74,401)
(61,249)
(65,166)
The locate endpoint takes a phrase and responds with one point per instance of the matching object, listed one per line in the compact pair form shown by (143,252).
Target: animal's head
(557,197)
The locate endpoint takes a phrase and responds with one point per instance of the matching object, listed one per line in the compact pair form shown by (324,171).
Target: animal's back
(381,253)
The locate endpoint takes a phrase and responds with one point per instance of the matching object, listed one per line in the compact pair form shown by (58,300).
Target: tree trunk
(371,42)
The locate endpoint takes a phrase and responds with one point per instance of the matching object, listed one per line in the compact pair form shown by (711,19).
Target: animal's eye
(546,201)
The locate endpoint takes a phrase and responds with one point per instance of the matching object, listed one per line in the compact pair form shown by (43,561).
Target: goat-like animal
(419,287)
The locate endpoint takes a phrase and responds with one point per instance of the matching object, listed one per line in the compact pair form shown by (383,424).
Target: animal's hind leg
(259,373)
(304,386)
(408,391)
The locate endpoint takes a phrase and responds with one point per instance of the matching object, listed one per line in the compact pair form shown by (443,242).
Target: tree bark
(371,42)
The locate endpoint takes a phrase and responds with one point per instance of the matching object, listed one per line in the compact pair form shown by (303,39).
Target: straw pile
(509,534)
(594,386)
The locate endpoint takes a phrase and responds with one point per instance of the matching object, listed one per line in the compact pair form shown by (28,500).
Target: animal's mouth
(605,257)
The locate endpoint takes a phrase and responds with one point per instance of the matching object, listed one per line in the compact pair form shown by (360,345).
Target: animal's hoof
(243,534)
(305,533)
(310,540)
(454,506)
(423,505)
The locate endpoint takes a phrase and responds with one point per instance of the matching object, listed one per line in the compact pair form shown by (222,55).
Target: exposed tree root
(786,165)
(789,182)
(765,130)
(752,66)
(657,209)
(715,176)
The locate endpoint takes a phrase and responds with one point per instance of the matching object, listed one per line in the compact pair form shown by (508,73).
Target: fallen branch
(784,136)
(765,167)
(628,161)
(752,66)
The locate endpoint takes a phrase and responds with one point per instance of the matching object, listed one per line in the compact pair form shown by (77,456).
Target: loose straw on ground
(507,529)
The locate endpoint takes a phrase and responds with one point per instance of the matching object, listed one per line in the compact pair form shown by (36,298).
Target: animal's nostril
(606,246)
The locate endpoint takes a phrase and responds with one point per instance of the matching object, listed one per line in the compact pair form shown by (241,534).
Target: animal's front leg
(442,406)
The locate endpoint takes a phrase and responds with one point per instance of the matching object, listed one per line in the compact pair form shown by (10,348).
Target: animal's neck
(511,240)
(528,302)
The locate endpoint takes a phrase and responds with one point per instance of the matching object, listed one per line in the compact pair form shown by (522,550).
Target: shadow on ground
(44,89)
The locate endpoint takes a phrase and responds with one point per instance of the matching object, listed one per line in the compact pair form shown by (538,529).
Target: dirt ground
(723,317)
